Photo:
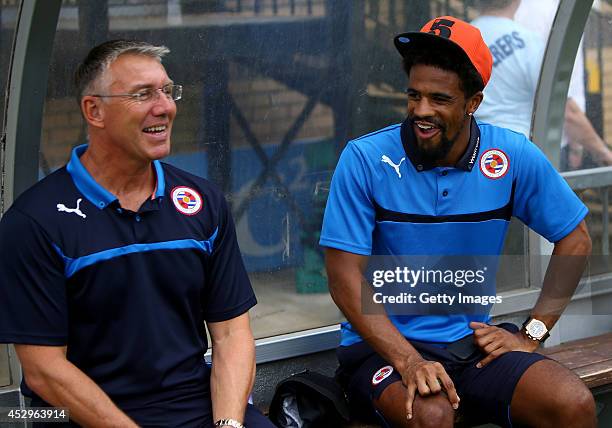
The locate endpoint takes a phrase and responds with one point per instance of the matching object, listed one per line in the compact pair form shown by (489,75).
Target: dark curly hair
(450,60)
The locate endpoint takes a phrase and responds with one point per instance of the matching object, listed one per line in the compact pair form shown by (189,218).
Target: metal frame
(549,108)
(295,344)
(550,99)
(589,178)
(601,179)
(25,98)
(326,338)
(26,93)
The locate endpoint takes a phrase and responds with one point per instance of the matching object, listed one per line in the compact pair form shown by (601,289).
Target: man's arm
(563,273)
(60,383)
(564,270)
(580,130)
(346,282)
(233,368)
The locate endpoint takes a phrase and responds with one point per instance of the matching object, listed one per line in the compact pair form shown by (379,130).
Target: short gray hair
(102,56)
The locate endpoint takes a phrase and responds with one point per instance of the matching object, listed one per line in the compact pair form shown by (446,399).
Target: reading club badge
(186,200)
(381,375)
(494,163)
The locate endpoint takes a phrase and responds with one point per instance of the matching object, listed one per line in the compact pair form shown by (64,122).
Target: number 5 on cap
(443,26)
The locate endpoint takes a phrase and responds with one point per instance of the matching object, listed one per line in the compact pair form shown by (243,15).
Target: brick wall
(271,109)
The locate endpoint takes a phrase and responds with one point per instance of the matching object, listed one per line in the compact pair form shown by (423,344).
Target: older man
(112,265)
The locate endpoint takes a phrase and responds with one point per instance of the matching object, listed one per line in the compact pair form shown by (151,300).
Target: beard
(432,154)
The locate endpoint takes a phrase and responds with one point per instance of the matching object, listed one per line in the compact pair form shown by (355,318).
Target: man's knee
(575,406)
(433,412)
(553,396)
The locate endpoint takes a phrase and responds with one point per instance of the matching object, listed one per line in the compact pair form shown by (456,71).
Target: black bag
(308,400)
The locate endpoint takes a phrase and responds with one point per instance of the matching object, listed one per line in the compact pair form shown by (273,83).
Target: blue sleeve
(543,200)
(228,292)
(32,284)
(349,218)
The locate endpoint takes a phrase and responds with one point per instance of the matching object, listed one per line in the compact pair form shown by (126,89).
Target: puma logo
(77,210)
(388,161)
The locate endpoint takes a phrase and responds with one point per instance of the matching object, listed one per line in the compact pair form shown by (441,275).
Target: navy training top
(128,293)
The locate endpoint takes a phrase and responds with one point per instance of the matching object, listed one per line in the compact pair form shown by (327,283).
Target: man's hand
(495,341)
(428,378)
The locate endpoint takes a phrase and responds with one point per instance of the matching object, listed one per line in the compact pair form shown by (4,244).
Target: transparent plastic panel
(597,50)
(584,143)
(273,90)
(263,115)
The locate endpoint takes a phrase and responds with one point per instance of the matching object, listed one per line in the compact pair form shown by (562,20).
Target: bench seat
(590,359)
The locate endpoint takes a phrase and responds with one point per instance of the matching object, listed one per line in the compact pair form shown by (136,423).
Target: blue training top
(386,200)
(127,292)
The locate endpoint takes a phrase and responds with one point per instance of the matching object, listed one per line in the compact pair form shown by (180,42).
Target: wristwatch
(229,423)
(535,329)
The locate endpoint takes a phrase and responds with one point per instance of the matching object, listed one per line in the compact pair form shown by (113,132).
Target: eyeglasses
(171,91)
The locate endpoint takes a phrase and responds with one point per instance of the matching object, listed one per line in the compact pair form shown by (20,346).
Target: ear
(474,102)
(93,111)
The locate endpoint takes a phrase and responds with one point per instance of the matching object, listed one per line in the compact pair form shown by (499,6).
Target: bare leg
(433,411)
(549,395)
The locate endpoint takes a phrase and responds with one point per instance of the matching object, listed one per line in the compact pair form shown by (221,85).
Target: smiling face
(438,110)
(138,130)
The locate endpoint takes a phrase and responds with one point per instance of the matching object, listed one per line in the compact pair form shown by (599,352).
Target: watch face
(536,328)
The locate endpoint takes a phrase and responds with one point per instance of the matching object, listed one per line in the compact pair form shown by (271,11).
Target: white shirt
(538,16)
(517,59)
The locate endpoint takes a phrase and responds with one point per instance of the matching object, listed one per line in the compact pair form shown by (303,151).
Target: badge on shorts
(381,375)
(494,163)
(186,200)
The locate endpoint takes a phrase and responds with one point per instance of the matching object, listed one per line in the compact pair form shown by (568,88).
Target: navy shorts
(485,393)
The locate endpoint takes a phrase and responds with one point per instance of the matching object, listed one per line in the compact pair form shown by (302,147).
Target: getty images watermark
(462,285)
(434,281)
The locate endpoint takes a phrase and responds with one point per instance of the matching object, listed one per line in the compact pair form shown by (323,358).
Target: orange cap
(450,32)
